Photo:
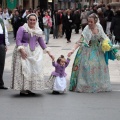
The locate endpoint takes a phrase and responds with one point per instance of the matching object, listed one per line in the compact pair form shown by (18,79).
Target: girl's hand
(23,54)
(52,57)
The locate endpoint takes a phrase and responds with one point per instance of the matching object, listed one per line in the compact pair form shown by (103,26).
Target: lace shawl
(87,33)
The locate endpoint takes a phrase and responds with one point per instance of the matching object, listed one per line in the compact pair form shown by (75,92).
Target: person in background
(63,22)
(55,25)
(16,22)
(40,19)
(115,27)
(83,18)
(25,15)
(47,23)
(77,21)
(3,49)
(108,16)
(6,17)
(1,13)
(68,24)
(60,18)
(102,19)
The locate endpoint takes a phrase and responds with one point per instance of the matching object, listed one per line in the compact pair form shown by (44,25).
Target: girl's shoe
(55,92)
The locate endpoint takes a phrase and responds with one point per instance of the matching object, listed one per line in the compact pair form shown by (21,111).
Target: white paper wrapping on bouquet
(117,46)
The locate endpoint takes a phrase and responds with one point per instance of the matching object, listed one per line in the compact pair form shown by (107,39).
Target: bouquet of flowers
(106,46)
(113,49)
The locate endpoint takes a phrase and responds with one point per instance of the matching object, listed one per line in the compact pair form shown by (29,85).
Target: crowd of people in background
(63,21)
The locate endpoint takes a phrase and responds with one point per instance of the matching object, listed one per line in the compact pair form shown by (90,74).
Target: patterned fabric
(26,81)
(56,83)
(50,82)
(90,72)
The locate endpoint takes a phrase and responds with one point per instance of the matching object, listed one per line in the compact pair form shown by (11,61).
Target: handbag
(73,26)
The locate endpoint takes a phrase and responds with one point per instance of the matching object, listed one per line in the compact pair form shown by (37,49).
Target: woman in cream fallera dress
(27,62)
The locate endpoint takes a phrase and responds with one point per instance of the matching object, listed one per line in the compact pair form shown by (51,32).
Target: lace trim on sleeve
(46,50)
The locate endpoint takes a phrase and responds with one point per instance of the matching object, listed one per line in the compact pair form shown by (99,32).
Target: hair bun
(62,56)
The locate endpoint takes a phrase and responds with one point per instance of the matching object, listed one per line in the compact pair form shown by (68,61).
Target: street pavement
(68,106)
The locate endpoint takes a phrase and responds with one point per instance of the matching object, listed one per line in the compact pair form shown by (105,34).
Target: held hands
(52,57)
(71,52)
(23,54)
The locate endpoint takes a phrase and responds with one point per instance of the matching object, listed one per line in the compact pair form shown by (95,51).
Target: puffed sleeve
(67,62)
(54,64)
(103,35)
(41,42)
(80,40)
(19,38)
(43,45)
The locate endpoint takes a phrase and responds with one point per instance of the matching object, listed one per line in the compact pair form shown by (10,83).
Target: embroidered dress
(90,72)
(28,74)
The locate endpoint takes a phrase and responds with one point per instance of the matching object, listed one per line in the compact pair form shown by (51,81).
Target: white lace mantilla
(87,33)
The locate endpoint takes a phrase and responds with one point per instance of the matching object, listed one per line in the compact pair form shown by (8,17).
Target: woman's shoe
(68,41)
(24,93)
(29,92)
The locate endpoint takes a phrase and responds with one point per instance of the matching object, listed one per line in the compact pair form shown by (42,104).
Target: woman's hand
(70,53)
(23,54)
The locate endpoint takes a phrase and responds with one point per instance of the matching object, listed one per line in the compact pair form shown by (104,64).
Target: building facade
(60,4)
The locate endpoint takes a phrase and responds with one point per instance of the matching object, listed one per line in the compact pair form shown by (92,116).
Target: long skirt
(28,74)
(90,72)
